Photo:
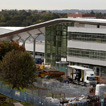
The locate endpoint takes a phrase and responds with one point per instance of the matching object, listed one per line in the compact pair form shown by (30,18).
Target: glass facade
(56,42)
(91,37)
(56,37)
(103,71)
(86,53)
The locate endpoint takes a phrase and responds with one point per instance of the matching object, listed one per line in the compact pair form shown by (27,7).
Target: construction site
(54,86)
(77,42)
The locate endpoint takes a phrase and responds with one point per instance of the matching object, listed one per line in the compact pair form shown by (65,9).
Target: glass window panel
(87,37)
(85,53)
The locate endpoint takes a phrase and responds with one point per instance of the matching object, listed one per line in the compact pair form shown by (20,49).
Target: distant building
(80,15)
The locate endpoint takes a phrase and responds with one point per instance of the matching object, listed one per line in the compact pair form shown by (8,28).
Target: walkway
(17,104)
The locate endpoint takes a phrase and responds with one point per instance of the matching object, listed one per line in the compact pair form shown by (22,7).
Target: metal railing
(24,96)
(36,97)
(69,90)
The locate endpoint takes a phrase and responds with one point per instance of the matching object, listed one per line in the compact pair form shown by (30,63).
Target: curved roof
(51,22)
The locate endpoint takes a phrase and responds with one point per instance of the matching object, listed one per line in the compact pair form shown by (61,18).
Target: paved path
(17,104)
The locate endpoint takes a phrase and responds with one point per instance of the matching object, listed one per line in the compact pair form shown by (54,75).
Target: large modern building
(76,40)
(86,46)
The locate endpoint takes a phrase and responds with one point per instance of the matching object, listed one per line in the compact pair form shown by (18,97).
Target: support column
(23,44)
(100,71)
(34,49)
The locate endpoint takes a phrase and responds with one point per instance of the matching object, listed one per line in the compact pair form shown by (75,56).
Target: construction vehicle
(49,73)
(81,75)
(43,66)
(98,79)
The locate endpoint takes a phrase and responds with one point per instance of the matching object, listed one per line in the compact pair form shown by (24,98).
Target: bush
(2,98)
(6,104)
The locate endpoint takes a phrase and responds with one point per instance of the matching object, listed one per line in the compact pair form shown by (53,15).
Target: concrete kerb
(17,104)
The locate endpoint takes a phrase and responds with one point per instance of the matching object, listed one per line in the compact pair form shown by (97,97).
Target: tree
(92,12)
(26,17)
(6,46)
(18,69)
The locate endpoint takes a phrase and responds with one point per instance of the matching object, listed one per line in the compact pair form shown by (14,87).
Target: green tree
(92,12)
(6,46)
(18,69)
(25,18)
(2,18)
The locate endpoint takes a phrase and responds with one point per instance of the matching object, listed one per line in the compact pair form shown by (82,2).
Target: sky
(53,4)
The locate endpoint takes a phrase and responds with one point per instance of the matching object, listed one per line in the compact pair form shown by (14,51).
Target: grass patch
(20,89)
(26,104)
(5,101)
(9,102)
(6,104)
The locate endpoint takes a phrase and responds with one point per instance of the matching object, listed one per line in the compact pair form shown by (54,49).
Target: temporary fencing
(24,96)
(69,90)
(48,89)
(15,94)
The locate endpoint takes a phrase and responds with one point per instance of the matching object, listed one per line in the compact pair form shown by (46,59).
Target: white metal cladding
(86,61)
(87,30)
(3,30)
(51,22)
(12,28)
(86,45)
(24,35)
(90,26)
(40,47)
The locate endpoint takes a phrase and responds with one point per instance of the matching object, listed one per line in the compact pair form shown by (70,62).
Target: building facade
(80,15)
(78,41)
(56,42)
(86,46)
(81,44)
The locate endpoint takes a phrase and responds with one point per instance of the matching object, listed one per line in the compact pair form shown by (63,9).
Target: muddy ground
(103,80)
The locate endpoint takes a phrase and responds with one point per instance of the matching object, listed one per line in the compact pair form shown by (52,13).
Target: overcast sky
(52,4)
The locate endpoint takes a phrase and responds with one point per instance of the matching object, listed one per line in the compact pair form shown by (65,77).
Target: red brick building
(80,16)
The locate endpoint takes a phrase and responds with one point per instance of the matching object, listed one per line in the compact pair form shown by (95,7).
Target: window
(91,37)
(85,53)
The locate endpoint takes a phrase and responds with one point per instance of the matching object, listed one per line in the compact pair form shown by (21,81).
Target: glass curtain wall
(91,37)
(56,42)
(86,53)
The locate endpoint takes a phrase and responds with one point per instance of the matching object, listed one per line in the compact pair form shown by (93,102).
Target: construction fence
(23,96)
(62,89)
(37,97)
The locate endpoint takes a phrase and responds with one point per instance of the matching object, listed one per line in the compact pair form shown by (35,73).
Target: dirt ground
(103,80)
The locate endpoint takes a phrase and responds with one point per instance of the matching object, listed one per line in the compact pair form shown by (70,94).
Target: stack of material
(78,101)
(105,95)
(53,100)
(103,80)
